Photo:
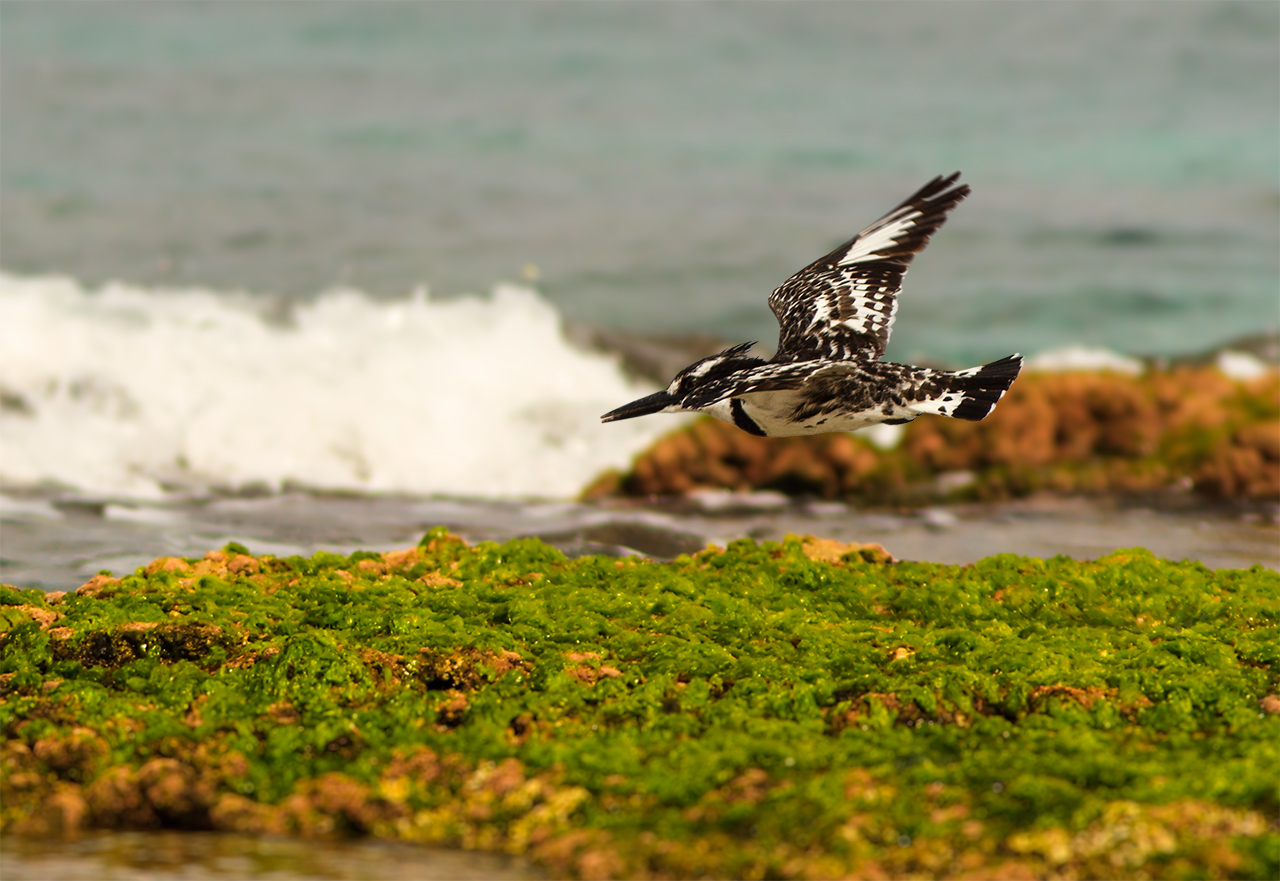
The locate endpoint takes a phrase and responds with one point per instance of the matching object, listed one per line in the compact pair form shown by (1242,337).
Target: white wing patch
(880,236)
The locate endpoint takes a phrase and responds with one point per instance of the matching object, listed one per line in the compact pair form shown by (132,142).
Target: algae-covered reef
(798,709)
(1057,432)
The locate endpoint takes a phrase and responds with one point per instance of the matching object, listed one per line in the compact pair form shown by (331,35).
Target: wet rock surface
(220,856)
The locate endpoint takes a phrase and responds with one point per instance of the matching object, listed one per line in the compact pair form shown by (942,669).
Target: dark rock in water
(82,508)
(1130,236)
(623,538)
(1263,346)
(14,403)
(656,357)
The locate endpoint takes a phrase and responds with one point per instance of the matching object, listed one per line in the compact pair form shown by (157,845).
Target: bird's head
(695,376)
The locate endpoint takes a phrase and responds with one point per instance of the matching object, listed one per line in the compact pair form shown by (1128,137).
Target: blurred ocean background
(247,247)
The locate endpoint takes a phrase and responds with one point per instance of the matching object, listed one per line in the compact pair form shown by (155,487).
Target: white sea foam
(1084,358)
(1242,365)
(130,391)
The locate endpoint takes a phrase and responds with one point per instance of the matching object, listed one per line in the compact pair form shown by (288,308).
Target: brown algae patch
(797,709)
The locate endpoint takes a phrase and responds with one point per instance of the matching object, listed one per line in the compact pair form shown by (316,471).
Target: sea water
(219,223)
(662,166)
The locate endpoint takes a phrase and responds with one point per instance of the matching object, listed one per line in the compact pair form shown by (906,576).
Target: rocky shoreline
(1076,432)
(794,709)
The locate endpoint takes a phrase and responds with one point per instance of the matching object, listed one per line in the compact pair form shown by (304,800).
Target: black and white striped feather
(843,304)
(834,319)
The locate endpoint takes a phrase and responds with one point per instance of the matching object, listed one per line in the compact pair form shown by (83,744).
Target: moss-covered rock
(792,709)
(1060,432)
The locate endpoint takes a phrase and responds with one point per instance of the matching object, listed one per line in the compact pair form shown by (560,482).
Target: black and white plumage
(834,318)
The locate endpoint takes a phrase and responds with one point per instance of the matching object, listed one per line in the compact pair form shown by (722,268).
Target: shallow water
(58,543)
(212,856)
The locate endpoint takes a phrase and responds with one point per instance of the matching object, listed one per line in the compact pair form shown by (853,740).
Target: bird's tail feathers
(978,390)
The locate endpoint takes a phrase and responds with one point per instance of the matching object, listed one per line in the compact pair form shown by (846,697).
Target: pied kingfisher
(834,318)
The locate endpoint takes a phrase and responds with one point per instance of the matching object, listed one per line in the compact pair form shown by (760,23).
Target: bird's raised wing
(843,304)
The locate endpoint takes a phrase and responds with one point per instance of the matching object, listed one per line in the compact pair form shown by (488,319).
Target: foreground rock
(1059,432)
(800,709)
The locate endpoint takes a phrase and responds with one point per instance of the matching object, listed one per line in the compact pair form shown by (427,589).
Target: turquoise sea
(662,166)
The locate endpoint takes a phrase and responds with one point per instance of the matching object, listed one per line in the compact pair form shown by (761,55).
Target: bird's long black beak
(654,403)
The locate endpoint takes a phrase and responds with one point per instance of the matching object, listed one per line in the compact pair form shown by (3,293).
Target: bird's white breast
(774,411)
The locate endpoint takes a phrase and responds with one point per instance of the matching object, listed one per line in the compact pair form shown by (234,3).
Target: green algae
(762,710)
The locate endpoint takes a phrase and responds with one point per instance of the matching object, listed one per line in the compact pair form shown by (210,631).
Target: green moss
(742,712)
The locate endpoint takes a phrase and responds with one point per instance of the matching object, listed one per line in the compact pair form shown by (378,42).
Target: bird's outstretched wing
(843,304)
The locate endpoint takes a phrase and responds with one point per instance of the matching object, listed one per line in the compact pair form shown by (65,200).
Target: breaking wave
(142,392)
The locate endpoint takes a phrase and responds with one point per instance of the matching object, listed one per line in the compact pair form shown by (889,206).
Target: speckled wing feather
(767,377)
(842,305)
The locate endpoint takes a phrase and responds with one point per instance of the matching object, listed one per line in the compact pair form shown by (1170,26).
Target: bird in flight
(834,318)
